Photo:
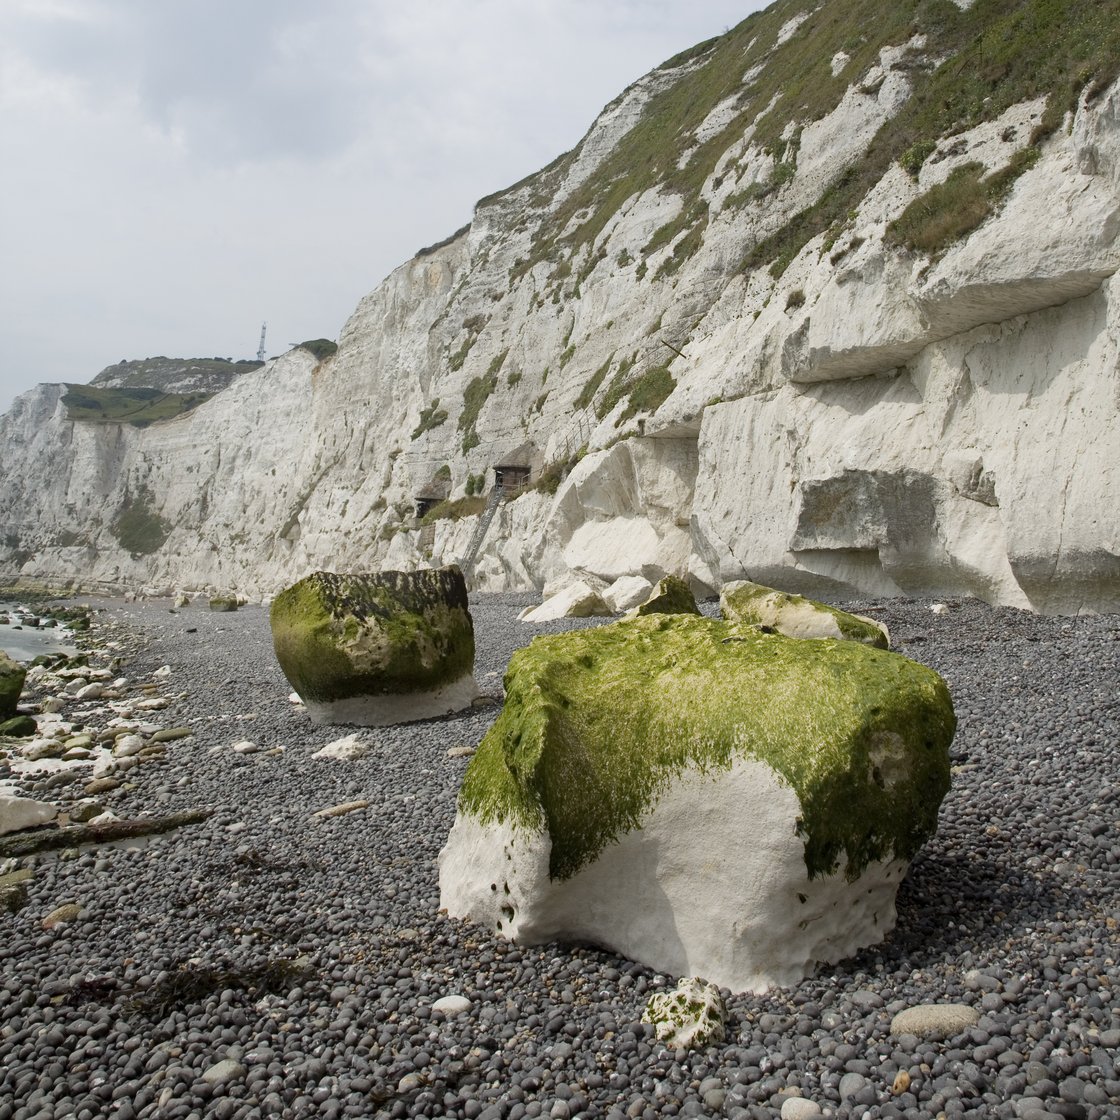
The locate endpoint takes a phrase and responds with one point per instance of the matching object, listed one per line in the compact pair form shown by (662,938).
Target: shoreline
(1012,909)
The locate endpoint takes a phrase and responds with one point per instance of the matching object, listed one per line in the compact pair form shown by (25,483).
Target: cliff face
(831,311)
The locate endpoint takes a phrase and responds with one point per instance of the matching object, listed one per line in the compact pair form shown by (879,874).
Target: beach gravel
(264,963)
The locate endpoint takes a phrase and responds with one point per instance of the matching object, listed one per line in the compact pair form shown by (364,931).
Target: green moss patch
(341,636)
(12,675)
(138,407)
(598,723)
(137,527)
(671,596)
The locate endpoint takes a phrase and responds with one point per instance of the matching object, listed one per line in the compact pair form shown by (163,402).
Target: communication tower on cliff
(260,349)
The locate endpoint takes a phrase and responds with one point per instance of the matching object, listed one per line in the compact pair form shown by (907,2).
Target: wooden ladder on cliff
(479,534)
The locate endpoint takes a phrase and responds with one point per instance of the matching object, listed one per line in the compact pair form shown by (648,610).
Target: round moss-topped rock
(597,723)
(377,648)
(19,727)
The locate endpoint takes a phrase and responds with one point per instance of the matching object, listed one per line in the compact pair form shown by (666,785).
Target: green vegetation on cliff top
(165,373)
(138,407)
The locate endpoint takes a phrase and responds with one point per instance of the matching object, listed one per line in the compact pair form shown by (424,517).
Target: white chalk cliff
(713,328)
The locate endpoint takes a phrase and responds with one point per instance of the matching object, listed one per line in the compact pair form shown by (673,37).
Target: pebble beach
(274,960)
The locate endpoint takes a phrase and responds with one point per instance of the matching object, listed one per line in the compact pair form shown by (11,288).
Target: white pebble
(127,746)
(452,1005)
(798,1108)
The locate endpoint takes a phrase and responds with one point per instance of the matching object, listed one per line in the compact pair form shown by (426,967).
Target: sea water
(24,643)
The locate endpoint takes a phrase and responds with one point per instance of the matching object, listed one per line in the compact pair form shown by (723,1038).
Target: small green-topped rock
(170,734)
(12,675)
(797,617)
(13,890)
(377,649)
(670,596)
(19,727)
(224,603)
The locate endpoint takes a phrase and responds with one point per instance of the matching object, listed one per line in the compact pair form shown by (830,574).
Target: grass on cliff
(643,392)
(148,373)
(995,54)
(431,417)
(475,396)
(138,407)
(951,210)
(454,510)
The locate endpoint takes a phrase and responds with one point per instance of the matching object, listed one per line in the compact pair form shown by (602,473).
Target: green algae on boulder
(670,596)
(598,723)
(12,675)
(377,649)
(795,616)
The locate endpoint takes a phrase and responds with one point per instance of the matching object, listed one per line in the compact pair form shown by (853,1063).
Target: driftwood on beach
(74,835)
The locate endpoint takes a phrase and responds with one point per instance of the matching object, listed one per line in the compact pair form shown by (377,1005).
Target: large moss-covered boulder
(12,675)
(705,797)
(797,617)
(377,649)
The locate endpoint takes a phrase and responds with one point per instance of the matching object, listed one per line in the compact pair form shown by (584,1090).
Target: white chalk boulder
(17,813)
(690,1017)
(704,797)
(797,617)
(347,749)
(579,600)
(627,592)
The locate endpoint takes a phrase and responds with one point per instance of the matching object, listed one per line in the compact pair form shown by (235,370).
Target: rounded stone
(799,1108)
(452,1005)
(935,1020)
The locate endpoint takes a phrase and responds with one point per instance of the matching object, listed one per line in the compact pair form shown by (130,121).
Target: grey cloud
(235,82)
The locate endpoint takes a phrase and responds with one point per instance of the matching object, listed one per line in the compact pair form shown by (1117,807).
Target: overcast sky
(175,172)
